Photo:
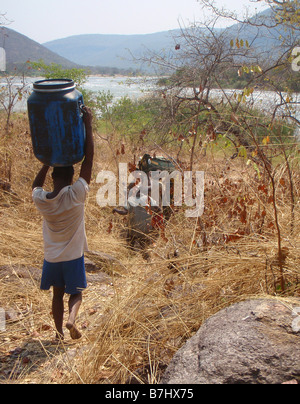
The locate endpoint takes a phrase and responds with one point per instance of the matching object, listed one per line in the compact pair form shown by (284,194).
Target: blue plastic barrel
(56,122)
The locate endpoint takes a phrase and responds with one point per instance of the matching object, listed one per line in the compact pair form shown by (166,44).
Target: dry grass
(133,325)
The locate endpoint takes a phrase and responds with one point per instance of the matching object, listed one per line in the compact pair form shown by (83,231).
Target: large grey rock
(253,342)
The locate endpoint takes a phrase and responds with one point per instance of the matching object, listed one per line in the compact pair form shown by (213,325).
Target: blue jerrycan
(56,122)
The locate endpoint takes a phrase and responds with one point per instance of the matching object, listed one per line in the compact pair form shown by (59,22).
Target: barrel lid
(53,85)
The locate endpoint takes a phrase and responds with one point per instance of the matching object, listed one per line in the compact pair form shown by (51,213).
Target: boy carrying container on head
(64,233)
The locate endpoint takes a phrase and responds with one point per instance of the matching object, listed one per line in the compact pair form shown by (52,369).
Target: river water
(132,87)
(136,87)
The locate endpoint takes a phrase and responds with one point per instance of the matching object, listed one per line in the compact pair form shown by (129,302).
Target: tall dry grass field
(144,310)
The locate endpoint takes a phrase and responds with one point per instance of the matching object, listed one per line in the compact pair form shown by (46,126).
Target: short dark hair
(66,173)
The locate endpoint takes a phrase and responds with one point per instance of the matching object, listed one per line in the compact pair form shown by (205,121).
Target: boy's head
(65,174)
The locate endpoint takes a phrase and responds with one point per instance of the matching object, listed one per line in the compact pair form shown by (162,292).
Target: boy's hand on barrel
(87,116)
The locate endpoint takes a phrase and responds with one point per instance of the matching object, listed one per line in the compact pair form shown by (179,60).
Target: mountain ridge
(109,49)
(19,49)
(117,50)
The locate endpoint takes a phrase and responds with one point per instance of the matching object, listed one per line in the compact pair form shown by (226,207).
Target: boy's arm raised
(40,178)
(87,165)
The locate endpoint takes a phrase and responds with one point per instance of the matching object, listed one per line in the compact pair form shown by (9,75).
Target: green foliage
(131,116)
(233,78)
(126,117)
(293,82)
(55,71)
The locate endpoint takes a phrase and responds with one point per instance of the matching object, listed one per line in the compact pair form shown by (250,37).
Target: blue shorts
(69,275)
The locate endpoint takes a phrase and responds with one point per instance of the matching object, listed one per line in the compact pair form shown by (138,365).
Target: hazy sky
(62,18)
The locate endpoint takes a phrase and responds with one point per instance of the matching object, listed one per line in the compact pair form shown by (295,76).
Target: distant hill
(19,48)
(109,50)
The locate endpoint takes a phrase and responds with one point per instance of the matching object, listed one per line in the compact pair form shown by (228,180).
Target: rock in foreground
(253,342)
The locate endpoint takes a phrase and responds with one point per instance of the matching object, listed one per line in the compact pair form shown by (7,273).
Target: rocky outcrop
(253,342)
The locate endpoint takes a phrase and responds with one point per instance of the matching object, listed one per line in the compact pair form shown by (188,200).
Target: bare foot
(74,333)
(59,337)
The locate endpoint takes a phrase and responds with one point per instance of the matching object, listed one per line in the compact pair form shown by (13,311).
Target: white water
(133,87)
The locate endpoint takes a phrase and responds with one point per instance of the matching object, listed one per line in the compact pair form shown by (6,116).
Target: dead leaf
(26,360)
(243,216)
(282,182)
(110,227)
(235,119)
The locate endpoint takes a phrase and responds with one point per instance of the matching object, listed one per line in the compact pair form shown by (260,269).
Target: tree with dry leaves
(199,108)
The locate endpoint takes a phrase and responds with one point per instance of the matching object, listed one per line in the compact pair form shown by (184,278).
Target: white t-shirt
(64,226)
